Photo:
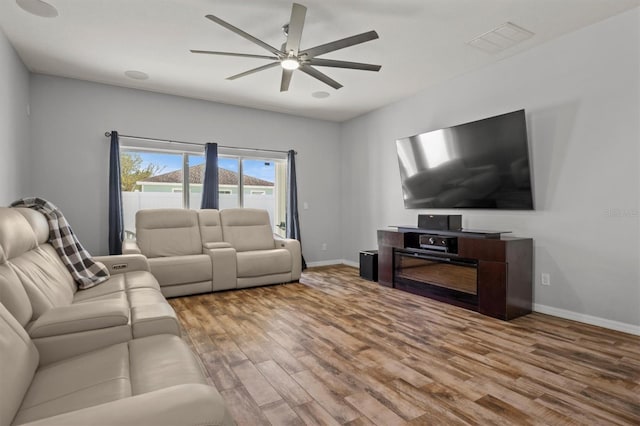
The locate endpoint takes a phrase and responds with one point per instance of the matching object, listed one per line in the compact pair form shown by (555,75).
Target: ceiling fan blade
(340,44)
(319,62)
(242,55)
(245,35)
(262,68)
(296,23)
(286,79)
(320,76)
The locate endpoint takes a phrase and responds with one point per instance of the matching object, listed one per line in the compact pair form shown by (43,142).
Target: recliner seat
(154,380)
(170,239)
(261,259)
(40,293)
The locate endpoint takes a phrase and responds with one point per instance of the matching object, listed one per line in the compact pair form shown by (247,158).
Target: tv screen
(483,164)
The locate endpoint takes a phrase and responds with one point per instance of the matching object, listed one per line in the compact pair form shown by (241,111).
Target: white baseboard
(350,263)
(588,319)
(324,263)
(333,262)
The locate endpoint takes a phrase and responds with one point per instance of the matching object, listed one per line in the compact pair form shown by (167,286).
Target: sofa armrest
(80,317)
(130,247)
(293,246)
(153,319)
(124,263)
(208,246)
(188,405)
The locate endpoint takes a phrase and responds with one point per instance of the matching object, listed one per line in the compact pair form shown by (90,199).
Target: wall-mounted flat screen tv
(483,165)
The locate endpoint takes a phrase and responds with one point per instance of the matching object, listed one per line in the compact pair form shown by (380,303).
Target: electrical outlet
(545,278)
(324,247)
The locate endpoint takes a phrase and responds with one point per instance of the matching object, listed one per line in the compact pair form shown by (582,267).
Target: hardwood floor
(336,349)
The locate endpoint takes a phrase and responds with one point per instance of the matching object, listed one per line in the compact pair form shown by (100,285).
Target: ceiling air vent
(501,38)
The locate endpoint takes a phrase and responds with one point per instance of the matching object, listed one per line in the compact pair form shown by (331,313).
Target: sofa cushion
(119,371)
(134,297)
(247,229)
(13,295)
(263,262)
(118,283)
(38,223)
(82,381)
(162,361)
(189,404)
(181,269)
(45,278)
(145,296)
(28,261)
(16,235)
(168,232)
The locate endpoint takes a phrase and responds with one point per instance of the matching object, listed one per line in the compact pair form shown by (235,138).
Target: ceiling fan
(290,57)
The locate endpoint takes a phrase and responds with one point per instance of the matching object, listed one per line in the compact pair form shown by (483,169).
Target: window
(254,182)
(155,178)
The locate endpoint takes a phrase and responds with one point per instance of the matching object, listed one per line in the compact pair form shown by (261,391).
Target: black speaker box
(369,265)
(440,222)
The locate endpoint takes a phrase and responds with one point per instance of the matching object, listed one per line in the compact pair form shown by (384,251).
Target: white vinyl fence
(134,201)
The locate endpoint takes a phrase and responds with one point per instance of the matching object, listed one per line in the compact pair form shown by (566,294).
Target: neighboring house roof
(196,175)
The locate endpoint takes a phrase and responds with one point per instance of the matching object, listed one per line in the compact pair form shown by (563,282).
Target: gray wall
(71,154)
(14,125)
(582,95)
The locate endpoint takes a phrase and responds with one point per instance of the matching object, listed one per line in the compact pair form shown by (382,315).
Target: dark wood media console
(489,273)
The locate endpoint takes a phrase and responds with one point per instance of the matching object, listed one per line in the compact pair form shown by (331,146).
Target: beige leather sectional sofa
(107,355)
(199,251)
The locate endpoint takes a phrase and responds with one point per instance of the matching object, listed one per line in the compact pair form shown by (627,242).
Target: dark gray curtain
(293,223)
(210,182)
(116,224)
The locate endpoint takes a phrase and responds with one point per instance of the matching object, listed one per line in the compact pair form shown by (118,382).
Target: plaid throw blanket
(84,270)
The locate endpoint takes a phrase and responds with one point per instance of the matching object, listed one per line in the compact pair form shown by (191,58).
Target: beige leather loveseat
(109,355)
(199,251)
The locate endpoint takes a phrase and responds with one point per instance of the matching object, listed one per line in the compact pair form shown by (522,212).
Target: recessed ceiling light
(38,8)
(137,75)
(320,95)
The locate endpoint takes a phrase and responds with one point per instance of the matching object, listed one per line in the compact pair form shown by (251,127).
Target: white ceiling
(422,43)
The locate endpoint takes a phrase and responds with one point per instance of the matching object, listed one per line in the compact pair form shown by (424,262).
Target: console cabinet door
(387,241)
(492,289)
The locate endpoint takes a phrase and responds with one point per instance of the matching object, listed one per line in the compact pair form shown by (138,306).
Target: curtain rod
(108,134)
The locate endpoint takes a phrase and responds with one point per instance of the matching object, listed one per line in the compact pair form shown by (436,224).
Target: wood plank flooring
(335,349)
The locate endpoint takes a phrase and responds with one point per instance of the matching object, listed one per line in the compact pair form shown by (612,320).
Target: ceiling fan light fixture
(290,63)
